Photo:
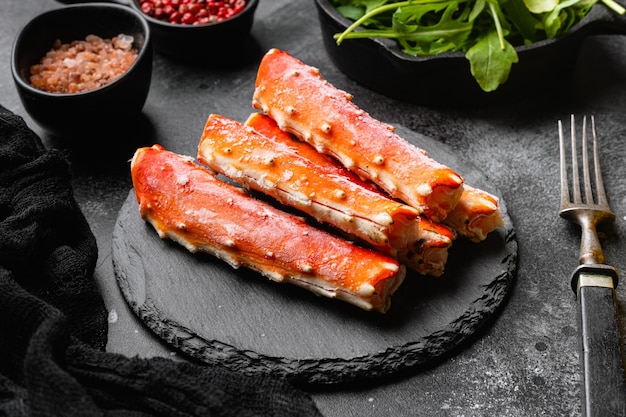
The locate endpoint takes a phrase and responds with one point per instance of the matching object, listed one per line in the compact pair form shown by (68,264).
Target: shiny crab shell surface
(188,204)
(262,157)
(420,244)
(305,104)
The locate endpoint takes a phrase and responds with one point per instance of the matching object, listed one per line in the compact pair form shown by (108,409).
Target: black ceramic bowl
(207,42)
(104,110)
(445,79)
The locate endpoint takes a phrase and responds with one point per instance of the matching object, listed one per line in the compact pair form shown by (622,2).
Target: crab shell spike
(211,222)
(355,138)
(366,290)
(424,190)
(339,194)
(383,218)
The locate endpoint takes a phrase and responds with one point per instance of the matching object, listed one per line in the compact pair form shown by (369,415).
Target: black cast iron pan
(445,79)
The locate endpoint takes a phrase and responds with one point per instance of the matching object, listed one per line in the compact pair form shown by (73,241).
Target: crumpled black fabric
(53,322)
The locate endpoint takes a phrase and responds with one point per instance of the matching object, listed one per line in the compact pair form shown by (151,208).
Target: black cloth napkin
(53,322)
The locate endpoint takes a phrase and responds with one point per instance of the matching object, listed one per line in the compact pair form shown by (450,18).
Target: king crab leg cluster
(335,126)
(312,149)
(264,158)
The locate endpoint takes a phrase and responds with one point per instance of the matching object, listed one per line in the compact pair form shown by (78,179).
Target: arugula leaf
(564,16)
(489,63)
(487,31)
(444,33)
(523,20)
(541,6)
(350,12)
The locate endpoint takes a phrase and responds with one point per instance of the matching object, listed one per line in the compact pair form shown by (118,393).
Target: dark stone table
(526,363)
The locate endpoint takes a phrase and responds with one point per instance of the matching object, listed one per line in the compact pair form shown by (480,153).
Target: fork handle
(604,379)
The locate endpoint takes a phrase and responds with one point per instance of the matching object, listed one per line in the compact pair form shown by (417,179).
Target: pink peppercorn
(192,12)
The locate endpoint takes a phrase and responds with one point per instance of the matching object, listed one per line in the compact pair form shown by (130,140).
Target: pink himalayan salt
(83,65)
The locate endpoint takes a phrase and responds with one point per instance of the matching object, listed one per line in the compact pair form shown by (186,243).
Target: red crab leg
(476,214)
(429,254)
(188,204)
(424,248)
(298,176)
(302,102)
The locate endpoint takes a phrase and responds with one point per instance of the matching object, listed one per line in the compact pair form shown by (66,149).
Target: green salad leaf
(486,31)
(489,63)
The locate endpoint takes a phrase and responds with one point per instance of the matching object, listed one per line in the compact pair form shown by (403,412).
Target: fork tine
(564,184)
(586,175)
(571,187)
(576,198)
(601,194)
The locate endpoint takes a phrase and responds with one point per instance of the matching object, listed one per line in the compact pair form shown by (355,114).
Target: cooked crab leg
(428,254)
(297,175)
(476,214)
(190,205)
(302,102)
(420,244)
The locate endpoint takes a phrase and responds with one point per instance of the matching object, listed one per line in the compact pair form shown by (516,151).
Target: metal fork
(593,282)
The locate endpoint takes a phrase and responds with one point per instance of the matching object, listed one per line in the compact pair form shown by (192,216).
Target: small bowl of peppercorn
(84,70)
(198,30)
(195,30)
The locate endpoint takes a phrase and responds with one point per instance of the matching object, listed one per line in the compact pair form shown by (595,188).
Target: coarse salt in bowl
(84,70)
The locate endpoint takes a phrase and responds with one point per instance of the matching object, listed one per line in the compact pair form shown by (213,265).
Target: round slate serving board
(244,321)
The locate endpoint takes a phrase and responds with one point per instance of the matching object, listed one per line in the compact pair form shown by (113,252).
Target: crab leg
(429,254)
(300,177)
(190,205)
(424,251)
(476,214)
(305,104)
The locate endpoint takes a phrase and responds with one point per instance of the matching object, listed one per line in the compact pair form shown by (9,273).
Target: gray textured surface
(526,364)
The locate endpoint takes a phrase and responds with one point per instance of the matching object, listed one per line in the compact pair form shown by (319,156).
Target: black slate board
(242,320)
